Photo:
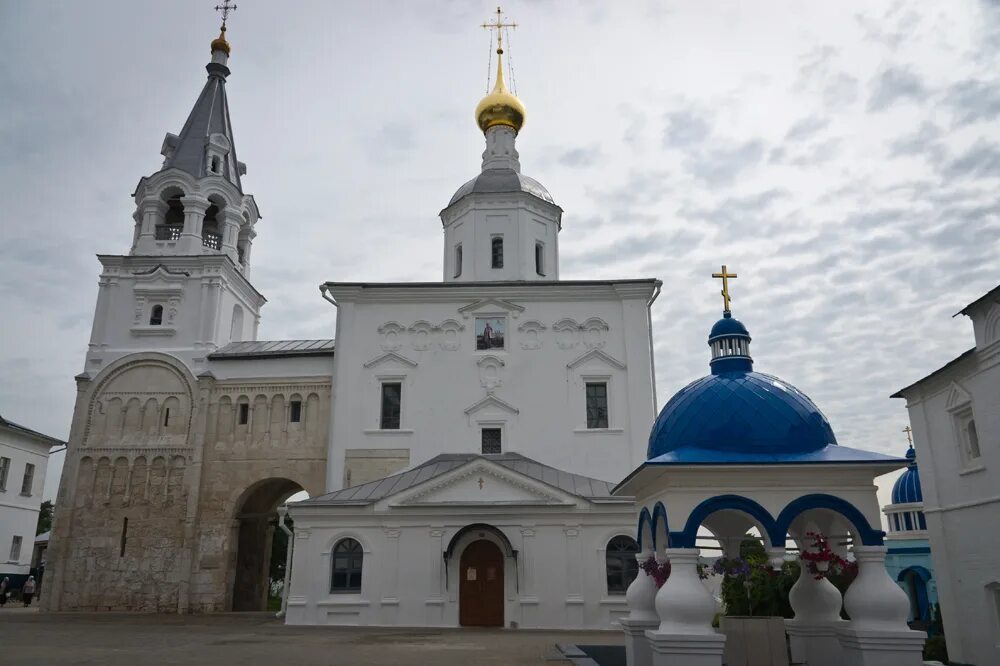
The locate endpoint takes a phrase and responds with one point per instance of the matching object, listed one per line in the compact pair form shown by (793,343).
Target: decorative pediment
(392,335)
(421,333)
(491,401)
(598,356)
(958,397)
(531,334)
(389,357)
(482,482)
(567,333)
(491,305)
(489,372)
(451,338)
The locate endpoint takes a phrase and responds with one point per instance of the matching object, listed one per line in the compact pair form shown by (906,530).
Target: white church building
(511,398)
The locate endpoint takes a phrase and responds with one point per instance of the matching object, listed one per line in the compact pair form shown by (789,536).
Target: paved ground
(28,637)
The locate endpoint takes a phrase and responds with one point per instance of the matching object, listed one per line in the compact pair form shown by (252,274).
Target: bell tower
(183,288)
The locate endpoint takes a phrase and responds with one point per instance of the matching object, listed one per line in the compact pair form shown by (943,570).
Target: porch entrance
(481,587)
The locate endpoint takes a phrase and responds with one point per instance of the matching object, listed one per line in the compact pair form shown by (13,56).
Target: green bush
(936,650)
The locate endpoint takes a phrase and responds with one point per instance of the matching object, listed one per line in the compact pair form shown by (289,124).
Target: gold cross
(480,483)
(909,437)
(499,25)
(225,8)
(725,275)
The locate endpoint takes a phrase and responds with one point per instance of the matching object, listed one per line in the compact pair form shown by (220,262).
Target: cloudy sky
(842,157)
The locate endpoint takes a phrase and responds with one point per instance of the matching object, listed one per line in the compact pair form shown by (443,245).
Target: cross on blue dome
(738,416)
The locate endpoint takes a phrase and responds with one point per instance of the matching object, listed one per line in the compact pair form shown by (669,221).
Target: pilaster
(194,216)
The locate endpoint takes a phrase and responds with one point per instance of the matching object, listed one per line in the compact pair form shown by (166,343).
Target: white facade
(557,338)
(24,455)
(955,416)
(553,544)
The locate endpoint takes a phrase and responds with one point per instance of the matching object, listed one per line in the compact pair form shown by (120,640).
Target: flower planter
(754,641)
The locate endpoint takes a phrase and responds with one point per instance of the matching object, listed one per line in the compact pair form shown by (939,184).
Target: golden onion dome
(220,43)
(500,107)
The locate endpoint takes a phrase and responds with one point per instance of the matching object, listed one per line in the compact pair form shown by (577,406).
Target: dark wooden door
(481,594)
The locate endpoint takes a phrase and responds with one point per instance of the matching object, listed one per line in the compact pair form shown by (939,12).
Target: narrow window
(156,315)
(597,404)
(620,563)
(392,393)
(497,251)
(973,437)
(244,415)
(539,259)
(15,549)
(491,441)
(295,411)
(348,560)
(4,470)
(121,551)
(215,165)
(166,417)
(29,477)
(458,260)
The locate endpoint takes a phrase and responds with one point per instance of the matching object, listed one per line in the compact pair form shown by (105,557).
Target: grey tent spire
(205,145)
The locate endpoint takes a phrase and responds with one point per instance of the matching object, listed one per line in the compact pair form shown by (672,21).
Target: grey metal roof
(29,432)
(367,493)
(502,180)
(210,115)
(273,349)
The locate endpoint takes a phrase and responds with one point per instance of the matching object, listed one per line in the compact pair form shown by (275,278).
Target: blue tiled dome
(755,416)
(728,326)
(907,487)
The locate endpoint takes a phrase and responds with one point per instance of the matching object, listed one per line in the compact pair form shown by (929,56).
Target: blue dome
(906,490)
(739,417)
(728,326)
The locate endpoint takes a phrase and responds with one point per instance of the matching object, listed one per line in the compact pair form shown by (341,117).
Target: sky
(843,158)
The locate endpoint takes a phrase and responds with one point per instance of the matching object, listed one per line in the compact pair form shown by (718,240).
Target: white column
(686,609)
(641,598)
(812,633)
(877,634)
(230,230)
(152,212)
(194,216)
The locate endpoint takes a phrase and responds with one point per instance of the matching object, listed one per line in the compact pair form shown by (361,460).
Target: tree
(44,517)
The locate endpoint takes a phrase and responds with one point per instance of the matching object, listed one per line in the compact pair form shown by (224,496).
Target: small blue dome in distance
(730,343)
(906,490)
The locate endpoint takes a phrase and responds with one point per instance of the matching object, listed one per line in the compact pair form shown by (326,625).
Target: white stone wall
(18,512)
(197,294)
(559,581)
(961,494)
(557,337)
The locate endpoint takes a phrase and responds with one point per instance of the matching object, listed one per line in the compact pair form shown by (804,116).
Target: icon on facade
(490,332)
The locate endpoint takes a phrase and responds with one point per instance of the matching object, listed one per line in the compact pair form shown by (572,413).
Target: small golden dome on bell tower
(220,43)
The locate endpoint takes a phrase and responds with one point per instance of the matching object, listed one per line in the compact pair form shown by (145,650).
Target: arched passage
(734,515)
(256,518)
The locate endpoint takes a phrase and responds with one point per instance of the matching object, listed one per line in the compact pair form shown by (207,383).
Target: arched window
(620,563)
(347,560)
(458,260)
(156,315)
(496,247)
(539,259)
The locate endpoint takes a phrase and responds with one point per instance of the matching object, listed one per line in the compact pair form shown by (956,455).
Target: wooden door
(481,589)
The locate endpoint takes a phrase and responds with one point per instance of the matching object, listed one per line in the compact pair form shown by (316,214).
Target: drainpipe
(282,511)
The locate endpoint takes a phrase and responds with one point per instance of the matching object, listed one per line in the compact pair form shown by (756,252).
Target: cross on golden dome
(220,43)
(499,25)
(725,275)
(500,106)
